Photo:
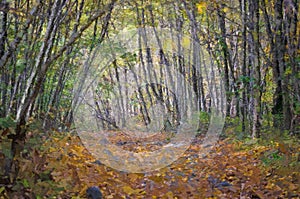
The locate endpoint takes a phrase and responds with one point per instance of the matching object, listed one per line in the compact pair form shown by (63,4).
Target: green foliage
(7,122)
(234,129)
(297,108)
(20,66)
(204,117)
(278,119)
(129,57)
(271,157)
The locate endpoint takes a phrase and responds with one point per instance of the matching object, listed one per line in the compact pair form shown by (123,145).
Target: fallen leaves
(66,169)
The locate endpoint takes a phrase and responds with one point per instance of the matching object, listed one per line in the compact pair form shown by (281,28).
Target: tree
(54,17)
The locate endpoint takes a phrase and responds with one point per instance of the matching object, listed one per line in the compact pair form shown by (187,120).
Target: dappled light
(149,99)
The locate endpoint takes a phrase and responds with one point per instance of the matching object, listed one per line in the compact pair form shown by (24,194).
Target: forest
(149,99)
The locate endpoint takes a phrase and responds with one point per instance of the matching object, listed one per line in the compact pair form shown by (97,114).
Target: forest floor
(61,167)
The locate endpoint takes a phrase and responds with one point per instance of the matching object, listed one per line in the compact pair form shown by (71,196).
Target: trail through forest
(145,72)
(63,168)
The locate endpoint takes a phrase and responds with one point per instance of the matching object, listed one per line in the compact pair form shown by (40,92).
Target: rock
(94,193)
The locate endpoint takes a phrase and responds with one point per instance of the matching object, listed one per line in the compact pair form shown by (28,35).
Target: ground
(61,167)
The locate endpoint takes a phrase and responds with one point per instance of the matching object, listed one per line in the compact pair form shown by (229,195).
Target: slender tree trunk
(281,96)
(244,64)
(4,71)
(254,62)
(226,55)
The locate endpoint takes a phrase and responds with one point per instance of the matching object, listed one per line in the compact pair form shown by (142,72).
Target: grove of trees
(254,46)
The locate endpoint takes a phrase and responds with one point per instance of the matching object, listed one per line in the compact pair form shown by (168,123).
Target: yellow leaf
(169,195)
(52,149)
(201,7)
(130,191)
(133,177)
(225,10)
(185,179)
(156,179)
